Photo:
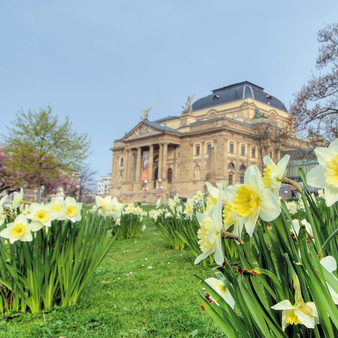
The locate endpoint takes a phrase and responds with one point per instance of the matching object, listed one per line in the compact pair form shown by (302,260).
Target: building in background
(104,185)
(213,139)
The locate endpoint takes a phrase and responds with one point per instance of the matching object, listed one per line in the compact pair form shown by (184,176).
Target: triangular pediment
(141,130)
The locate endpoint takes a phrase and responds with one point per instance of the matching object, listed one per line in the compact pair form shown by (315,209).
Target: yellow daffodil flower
(325,175)
(252,199)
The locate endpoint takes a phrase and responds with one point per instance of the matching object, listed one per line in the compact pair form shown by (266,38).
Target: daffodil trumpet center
(247,201)
(332,171)
(18,230)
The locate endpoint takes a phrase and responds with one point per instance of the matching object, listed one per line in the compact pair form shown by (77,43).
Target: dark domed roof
(235,92)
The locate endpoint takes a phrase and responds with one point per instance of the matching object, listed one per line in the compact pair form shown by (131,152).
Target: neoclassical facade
(213,139)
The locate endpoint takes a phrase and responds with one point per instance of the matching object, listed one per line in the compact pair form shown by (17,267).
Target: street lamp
(145,189)
(160,187)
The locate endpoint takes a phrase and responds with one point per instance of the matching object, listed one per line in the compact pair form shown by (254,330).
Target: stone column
(151,165)
(160,160)
(126,157)
(130,164)
(138,165)
(164,162)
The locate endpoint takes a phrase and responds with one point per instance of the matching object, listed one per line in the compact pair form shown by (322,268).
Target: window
(230,179)
(231,147)
(270,153)
(243,149)
(197,149)
(253,152)
(231,166)
(121,162)
(208,147)
(169,175)
(241,179)
(242,167)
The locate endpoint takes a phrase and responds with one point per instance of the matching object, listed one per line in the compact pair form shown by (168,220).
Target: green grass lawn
(142,288)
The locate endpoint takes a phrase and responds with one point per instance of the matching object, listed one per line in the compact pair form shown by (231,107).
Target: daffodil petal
(213,191)
(306,320)
(283,305)
(334,146)
(331,195)
(218,255)
(329,263)
(282,164)
(270,208)
(203,256)
(250,223)
(323,154)
(316,177)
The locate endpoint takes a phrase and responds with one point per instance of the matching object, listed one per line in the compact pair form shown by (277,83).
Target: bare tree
(269,135)
(316,104)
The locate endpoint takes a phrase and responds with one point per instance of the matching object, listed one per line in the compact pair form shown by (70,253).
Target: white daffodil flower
(18,197)
(292,207)
(19,230)
(3,215)
(330,264)
(58,207)
(296,226)
(104,205)
(273,173)
(300,312)
(73,209)
(210,235)
(222,290)
(325,175)
(221,193)
(40,215)
(158,203)
(253,200)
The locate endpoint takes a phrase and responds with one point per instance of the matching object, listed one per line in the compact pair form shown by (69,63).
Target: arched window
(242,167)
(169,175)
(230,179)
(121,162)
(231,166)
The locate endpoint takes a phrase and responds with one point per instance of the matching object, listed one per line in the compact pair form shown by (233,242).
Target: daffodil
(58,207)
(325,175)
(298,313)
(19,230)
(222,290)
(209,234)
(73,209)
(17,199)
(104,205)
(330,264)
(273,173)
(252,199)
(219,193)
(40,215)
(158,203)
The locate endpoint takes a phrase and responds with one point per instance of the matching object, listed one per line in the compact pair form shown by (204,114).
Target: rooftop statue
(146,113)
(187,107)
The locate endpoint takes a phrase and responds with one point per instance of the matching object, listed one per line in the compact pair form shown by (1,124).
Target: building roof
(168,118)
(235,92)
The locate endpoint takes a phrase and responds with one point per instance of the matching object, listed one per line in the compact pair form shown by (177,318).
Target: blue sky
(102,62)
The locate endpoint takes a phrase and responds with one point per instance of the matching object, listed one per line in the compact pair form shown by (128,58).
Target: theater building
(213,139)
